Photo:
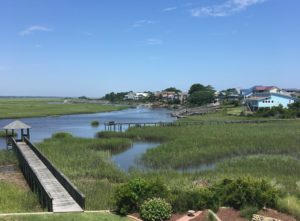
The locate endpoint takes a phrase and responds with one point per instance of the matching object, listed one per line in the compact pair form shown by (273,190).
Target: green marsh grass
(67,217)
(87,162)
(290,205)
(15,199)
(17,108)
(7,157)
(95,123)
(188,146)
(3,134)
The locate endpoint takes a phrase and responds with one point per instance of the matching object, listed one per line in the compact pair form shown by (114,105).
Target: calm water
(79,125)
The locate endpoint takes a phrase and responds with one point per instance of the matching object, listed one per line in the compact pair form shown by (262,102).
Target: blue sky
(92,47)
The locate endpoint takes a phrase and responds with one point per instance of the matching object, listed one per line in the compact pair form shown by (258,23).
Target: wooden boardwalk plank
(62,201)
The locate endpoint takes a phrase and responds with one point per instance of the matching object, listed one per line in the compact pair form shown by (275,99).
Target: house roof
(263,88)
(16,125)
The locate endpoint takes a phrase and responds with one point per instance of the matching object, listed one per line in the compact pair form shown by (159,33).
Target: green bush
(243,192)
(197,199)
(248,212)
(62,135)
(156,209)
(130,196)
(95,123)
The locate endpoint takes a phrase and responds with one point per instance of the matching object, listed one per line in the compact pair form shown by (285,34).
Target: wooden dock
(52,192)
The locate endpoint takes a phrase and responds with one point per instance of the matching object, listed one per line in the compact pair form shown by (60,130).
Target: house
(170,96)
(136,96)
(268,96)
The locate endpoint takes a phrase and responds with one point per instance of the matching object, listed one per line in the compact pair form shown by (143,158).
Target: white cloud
(229,7)
(169,9)
(141,23)
(154,41)
(34,28)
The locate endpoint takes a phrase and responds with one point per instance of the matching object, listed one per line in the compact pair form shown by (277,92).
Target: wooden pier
(120,126)
(55,191)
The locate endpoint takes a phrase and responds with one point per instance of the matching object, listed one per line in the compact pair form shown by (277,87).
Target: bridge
(56,193)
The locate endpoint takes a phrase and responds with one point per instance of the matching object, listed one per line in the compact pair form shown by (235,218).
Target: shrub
(247,191)
(248,212)
(130,196)
(62,135)
(156,209)
(95,123)
(197,199)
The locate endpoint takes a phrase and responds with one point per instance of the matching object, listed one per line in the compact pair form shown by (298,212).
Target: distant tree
(172,89)
(114,97)
(201,97)
(83,97)
(197,87)
(200,94)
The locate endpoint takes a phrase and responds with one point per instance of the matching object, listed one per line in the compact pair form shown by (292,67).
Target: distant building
(136,96)
(169,96)
(267,96)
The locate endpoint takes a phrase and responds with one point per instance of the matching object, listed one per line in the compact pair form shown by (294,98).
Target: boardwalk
(62,200)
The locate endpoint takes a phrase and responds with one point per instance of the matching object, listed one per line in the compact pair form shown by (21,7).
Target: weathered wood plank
(62,201)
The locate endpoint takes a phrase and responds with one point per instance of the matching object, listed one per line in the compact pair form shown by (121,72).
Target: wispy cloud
(154,41)
(141,23)
(169,9)
(229,7)
(30,30)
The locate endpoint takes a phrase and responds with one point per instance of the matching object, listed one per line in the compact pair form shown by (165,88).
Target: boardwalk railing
(64,181)
(34,183)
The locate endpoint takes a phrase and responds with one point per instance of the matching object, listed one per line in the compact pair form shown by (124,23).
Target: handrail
(33,181)
(64,181)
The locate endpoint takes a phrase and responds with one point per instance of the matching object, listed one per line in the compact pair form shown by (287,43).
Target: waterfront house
(267,97)
(136,96)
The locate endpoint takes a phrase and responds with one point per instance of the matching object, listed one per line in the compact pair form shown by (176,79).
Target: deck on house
(62,200)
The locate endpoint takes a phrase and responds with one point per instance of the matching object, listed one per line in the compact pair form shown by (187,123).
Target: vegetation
(15,199)
(17,108)
(156,209)
(7,157)
(87,163)
(130,196)
(3,134)
(293,111)
(66,217)
(95,123)
(200,94)
(290,204)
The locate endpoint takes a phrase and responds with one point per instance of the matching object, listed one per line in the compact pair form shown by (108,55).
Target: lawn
(66,217)
(18,108)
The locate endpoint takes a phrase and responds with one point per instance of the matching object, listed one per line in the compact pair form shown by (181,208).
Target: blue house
(270,96)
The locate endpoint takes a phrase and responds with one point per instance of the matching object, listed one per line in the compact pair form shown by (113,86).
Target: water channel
(80,125)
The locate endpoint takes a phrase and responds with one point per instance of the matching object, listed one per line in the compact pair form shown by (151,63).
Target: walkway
(62,201)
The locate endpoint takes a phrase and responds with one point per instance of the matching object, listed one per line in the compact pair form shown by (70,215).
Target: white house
(136,96)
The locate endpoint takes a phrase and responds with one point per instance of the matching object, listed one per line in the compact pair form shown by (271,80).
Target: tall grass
(291,205)
(3,134)
(188,146)
(15,199)
(7,157)
(67,217)
(87,162)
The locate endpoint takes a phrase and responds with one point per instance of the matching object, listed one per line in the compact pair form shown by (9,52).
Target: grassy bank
(7,157)
(17,108)
(66,217)
(87,163)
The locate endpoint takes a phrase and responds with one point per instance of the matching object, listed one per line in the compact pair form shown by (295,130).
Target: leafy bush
(247,191)
(248,212)
(62,135)
(156,209)
(130,196)
(197,199)
(95,123)
(292,111)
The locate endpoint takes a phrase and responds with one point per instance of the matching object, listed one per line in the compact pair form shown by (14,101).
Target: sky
(93,47)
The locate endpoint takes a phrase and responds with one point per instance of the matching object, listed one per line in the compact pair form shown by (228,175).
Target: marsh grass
(290,205)
(67,217)
(3,134)
(7,157)
(95,123)
(188,146)
(87,162)
(17,108)
(15,199)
